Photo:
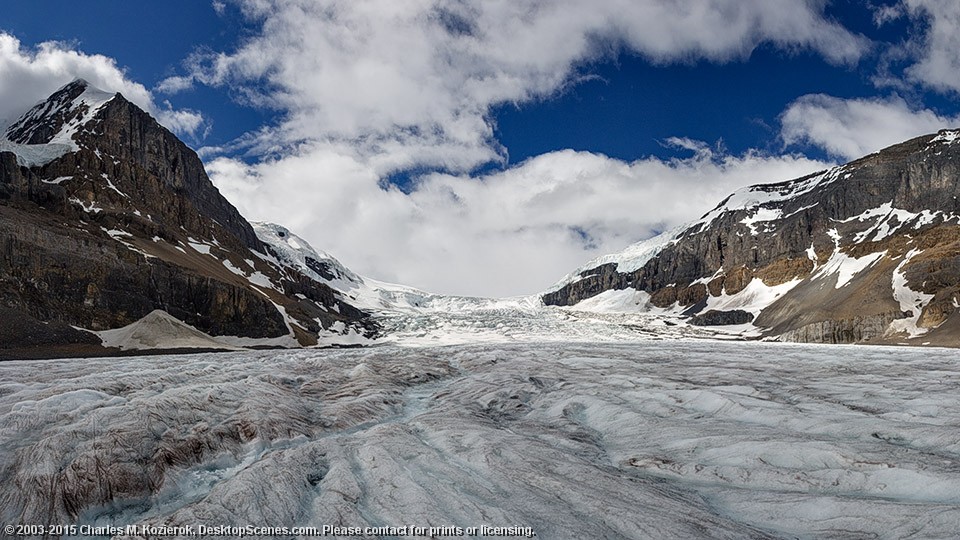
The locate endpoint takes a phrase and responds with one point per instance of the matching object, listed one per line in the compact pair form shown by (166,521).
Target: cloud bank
(932,55)
(928,58)
(411,84)
(506,233)
(363,90)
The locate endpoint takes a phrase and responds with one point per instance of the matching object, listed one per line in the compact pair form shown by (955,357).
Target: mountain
(363,292)
(113,238)
(106,217)
(865,252)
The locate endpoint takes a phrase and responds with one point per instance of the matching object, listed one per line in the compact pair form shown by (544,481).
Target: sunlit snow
(910,301)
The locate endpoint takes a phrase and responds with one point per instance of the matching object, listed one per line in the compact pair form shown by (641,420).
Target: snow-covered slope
(293,251)
(629,259)
(34,155)
(48,130)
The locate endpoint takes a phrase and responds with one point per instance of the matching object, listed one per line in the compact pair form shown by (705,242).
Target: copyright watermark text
(232,531)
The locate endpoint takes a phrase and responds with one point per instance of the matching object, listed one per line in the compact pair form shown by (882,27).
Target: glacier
(642,438)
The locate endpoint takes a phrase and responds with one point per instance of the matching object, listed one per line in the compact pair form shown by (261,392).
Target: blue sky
(490,147)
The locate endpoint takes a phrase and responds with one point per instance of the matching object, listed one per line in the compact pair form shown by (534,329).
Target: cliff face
(106,216)
(877,239)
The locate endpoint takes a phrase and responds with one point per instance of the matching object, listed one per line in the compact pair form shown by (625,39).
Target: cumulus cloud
(29,75)
(851,128)
(181,121)
(506,233)
(411,84)
(938,62)
(931,55)
(363,90)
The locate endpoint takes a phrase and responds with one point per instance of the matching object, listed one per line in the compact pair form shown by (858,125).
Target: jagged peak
(78,82)
(58,118)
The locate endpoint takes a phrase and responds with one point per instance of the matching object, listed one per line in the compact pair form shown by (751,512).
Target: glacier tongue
(35,155)
(666,439)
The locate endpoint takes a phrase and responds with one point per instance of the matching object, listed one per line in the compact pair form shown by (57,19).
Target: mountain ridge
(110,228)
(110,217)
(818,227)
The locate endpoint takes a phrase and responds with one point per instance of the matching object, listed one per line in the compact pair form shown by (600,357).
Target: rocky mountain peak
(58,118)
(105,217)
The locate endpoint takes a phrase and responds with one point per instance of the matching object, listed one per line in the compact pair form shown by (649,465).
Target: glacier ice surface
(646,439)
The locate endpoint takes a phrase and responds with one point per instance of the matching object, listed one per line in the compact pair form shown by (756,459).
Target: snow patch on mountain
(843,266)
(89,207)
(92,99)
(889,220)
(111,185)
(910,301)
(617,301)
(756,296)
(846,267)
(58,180)
(629,260)
(199,247)
(946,136)
(760,216)
(75,114)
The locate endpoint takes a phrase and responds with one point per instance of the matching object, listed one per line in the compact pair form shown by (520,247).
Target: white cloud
(412,83)
(851,128)
(182,121)
(938,64)
(507,233)
(884,14)
(365,89)
(931,54)
(29,75)
(172,85)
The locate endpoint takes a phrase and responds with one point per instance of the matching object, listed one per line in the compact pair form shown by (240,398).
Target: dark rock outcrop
(716,317)
(591,283)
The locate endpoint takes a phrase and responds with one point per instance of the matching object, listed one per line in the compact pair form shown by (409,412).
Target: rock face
(715,317)
(850,330)
(873,242)
(105,216)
